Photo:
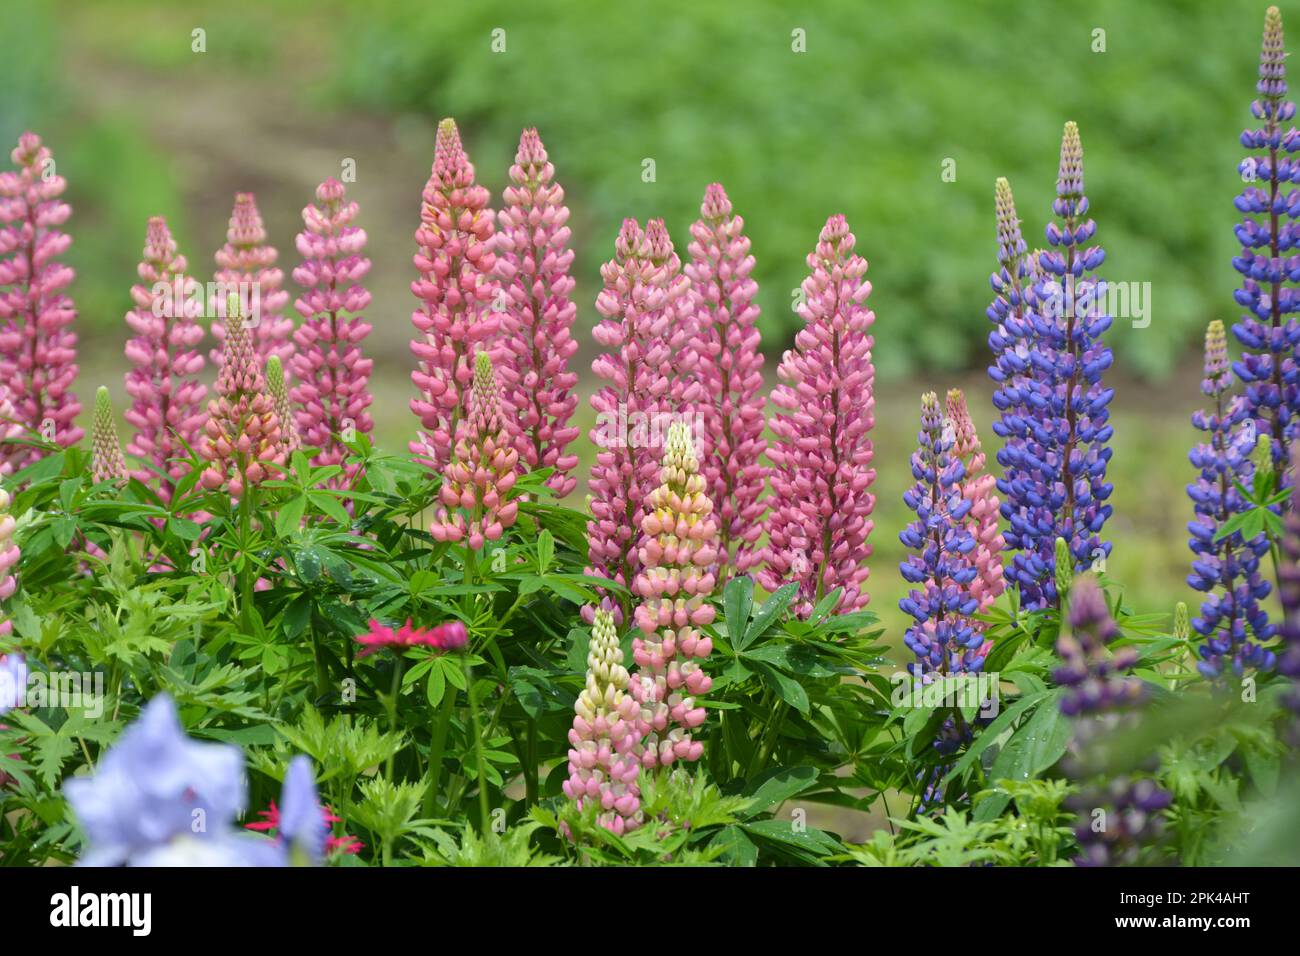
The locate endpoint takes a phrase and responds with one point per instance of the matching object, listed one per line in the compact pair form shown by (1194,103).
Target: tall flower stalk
(456,288)
(475,496)
(821,501)
(1055,406)
(678,546)
(603,766)
(167,398)
(1232,622)
(332,374)
(533,266)
(1268,330)
(730,370)
(942,564)
(642,323)
(38,350)
(246,268)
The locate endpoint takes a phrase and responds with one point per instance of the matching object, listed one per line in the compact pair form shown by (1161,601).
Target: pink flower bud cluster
(648,325)
(9,555)
(476,487)
(730,369)
(678,547)
(821,500)
(603,767)
(106,461)
(242,435)
(980,489)
(533,263)
(456,262)
(38,352)
(246,265)
(333,375)
(166,396)
(289,442)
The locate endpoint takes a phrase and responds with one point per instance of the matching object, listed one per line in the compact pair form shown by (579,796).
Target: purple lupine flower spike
(167,407)
(332,374)
(38,352)
(246,268)
(1054,406)
(456,289)
(533,265)
(730,369)
(821,500)
(942,566)
(1268,330)
(1232,622)
(1288,588)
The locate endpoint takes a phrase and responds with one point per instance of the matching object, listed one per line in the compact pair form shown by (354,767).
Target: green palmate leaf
(773,788)
(545,551)
(769,613)
(1036,745)
(436,686)
(290,516)
(788,689)
(993,731)
(737,602)
(331,506)
(736,849)
(805,843)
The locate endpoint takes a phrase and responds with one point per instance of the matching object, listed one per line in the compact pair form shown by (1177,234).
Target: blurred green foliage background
(861,123)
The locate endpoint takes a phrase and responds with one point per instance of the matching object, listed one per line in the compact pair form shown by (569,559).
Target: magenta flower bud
(241,438)
(246,268)
(730,369)
(107,463)
(532,266)
(980,489)
(456,262)
(475,491)
(821,504)
(167,407)
(648,325)
(38,352)
(678,527)
(332,374)
(603,766)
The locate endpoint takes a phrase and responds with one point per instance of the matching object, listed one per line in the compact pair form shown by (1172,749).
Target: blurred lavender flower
(158,798)
(1094,677)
